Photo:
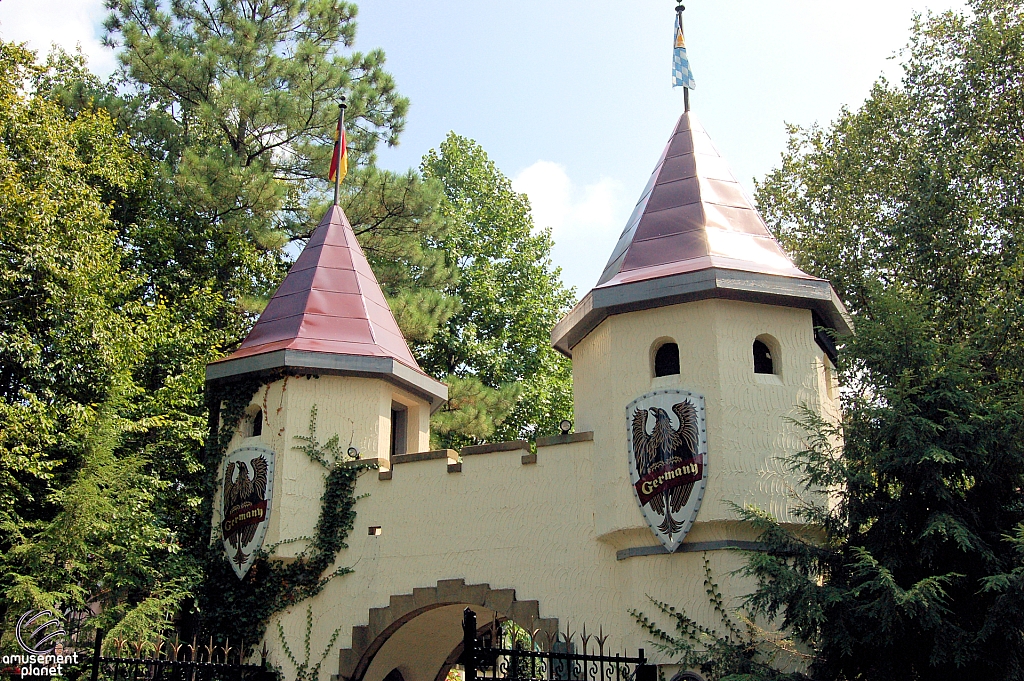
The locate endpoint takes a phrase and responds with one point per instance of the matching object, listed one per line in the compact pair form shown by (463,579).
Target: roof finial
(681,73)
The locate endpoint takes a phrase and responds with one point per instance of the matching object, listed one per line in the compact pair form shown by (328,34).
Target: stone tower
(327,340)
(697,299)
(697,295)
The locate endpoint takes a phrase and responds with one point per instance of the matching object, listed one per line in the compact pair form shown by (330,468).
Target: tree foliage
(78,504)
(506,381)
(912,206)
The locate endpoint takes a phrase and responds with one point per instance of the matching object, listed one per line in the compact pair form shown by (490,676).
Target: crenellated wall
(555,525)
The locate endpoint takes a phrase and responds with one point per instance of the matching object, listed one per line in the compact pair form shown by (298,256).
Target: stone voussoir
(502,601)
(380,618)
(402,605)
(449,590)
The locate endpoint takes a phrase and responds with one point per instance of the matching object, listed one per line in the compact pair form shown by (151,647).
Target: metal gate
(494,654)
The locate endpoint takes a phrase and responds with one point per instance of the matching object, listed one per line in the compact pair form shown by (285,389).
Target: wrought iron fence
(500,652)
(166,660)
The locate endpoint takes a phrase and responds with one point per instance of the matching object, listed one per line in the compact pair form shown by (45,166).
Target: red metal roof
(330,302)
(693,215)
(695,234)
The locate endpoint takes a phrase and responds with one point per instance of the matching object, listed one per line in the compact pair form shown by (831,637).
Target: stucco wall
(747,414)
(358,410)
(551,530)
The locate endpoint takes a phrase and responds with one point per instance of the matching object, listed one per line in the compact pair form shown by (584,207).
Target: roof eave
(321,363)
(769,289)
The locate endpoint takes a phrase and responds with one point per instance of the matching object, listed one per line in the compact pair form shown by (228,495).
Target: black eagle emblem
(240,494)
(662,446)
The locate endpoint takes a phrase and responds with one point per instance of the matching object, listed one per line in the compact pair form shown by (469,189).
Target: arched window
(257,424)
(666,360)
(763,362)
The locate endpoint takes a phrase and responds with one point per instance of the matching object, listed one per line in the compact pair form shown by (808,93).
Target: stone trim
(715,282)
(368,639)
(568,438)
(326,363)
(434,455)
(511,446)
(691,547)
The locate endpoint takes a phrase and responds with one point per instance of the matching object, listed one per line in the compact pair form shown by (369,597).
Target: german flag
(339,161)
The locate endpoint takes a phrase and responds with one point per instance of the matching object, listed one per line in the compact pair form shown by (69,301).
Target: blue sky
(573,100)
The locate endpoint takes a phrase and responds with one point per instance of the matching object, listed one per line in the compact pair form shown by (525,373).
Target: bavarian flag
(681,73)
(339,161)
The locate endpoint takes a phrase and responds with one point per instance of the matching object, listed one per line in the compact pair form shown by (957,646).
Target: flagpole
(680,8)
(341,152)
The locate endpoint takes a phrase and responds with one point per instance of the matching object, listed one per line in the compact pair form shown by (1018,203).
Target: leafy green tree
(506,381)
(912,206)
(78,522)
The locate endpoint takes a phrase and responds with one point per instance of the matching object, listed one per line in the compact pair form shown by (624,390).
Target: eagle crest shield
(247,491)
(668,457)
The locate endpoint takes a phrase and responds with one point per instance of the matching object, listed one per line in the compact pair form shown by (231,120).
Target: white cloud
(68,23)
(585,221)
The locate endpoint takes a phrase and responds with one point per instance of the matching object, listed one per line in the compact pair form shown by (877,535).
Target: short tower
(697,295)
(327,341)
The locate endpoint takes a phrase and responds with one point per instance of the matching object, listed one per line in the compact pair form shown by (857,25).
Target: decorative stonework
(383,622)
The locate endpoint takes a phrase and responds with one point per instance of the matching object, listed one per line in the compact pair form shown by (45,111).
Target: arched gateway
(575,529)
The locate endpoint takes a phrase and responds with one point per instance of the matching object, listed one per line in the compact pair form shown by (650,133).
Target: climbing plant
(742,651)
(303,670)
(240,609)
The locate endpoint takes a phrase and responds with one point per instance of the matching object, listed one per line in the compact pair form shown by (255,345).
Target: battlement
(454,459)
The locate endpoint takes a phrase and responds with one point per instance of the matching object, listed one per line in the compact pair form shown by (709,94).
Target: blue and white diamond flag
(682,76)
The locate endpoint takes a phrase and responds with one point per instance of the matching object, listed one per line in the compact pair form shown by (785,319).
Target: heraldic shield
(247,491)
(668,460)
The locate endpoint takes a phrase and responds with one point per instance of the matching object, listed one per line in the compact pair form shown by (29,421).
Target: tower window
(666,360)
(399,424)
(257,424)
(763,362)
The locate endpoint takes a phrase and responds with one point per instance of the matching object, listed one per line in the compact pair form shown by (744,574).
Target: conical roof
(695,234)
(693,215)
(329,315)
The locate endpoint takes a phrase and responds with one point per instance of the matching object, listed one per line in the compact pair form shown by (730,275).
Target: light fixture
(565,426)
(353,453)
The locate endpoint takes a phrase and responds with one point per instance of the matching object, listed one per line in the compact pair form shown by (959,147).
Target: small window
(763,362)
(399,424)
(666,360)
(257,424)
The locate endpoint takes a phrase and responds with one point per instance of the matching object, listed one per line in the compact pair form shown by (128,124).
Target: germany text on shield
(247,492)
(668,460)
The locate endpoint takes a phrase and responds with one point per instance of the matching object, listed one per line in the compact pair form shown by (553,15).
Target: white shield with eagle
(668,460)
(245,511)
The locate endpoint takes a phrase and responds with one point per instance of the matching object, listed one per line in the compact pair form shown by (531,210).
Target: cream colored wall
(509,525)
(747,414)
(551,530)
(358,410)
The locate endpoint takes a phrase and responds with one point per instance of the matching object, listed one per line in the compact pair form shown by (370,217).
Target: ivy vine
(742,652)
(239,610)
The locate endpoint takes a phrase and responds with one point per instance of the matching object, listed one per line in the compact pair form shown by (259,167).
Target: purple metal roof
(693,215)
(330,302)
(695,234)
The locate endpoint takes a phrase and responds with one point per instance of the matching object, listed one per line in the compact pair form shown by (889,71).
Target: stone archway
(423,630)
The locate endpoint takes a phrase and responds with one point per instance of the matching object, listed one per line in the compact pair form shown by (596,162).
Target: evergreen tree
(911,205)
(239,100)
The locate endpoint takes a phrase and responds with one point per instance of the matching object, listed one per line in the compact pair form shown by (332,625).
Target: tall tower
(327,341)
(698,297)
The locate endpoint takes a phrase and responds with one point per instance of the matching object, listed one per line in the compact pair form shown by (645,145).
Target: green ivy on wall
(239,610)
